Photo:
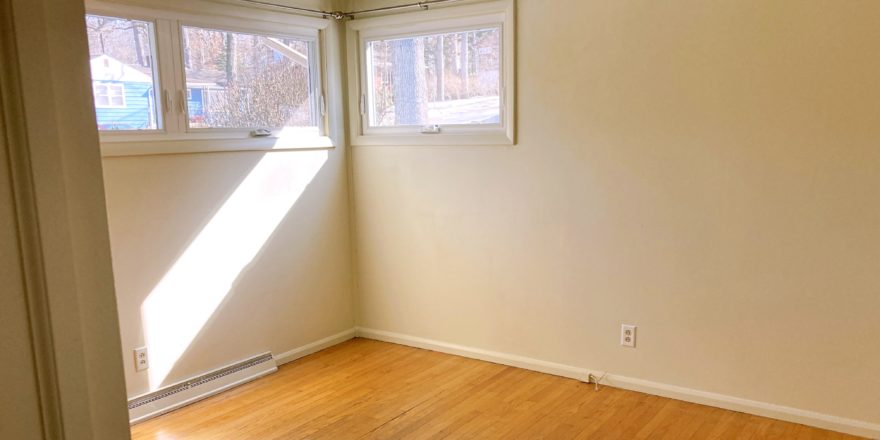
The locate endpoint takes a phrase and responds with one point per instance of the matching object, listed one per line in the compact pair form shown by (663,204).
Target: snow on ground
(479,110)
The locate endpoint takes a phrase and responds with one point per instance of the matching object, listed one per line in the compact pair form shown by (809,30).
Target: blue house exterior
(195,102)
(137,112)
(125,98)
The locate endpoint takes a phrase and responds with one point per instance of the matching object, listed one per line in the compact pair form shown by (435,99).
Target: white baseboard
(305,350)
(476,353)
(165,402)
(789,414)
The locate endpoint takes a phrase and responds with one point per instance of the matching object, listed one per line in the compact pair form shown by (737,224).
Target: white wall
(298,287)
(707,171)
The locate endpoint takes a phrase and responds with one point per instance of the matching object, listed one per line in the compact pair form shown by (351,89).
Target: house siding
(136,113)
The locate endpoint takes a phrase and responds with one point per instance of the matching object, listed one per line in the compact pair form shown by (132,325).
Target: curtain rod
(341,15)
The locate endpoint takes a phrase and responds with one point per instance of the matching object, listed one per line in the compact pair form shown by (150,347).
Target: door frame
(51,140)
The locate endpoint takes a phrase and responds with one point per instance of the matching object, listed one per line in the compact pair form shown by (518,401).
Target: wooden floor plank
(365,389)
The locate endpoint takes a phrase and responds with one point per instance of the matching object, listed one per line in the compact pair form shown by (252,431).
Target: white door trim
(55,174)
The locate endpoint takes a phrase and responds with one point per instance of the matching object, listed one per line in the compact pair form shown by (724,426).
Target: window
(109,95)
(442,76)
(123,83)
(449,78)
(185,80)
(244,80)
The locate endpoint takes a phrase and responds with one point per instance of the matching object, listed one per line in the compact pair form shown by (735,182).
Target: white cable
(591,378)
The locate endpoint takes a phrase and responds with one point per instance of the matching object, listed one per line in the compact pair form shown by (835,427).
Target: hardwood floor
(375,390)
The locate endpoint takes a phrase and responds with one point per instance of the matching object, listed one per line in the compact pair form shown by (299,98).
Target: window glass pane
(239,80)
(123,78)
(450,78)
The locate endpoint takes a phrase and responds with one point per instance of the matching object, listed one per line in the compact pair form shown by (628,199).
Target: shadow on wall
(186,297)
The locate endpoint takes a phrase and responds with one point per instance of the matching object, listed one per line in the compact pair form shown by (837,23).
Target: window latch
(167,101)
(430,129)
(181,101)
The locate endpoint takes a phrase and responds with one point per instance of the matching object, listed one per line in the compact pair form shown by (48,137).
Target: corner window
(189,80)
(441,76)
(443,79)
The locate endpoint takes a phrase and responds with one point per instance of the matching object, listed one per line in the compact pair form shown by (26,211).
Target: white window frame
(168,18)
(109,85)
(314,64)
(455,18)
(153,36)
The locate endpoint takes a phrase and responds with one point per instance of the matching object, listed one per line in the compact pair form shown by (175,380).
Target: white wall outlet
(141,361)
(628,335)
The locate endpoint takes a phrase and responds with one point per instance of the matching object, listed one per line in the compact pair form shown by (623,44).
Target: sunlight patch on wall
(191,291)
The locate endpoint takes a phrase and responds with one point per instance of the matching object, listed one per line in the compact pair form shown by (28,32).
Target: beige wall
(707,171)
(702,170)
(295,290)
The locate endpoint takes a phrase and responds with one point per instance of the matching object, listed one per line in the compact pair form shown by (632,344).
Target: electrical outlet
(141,361)
(628,335)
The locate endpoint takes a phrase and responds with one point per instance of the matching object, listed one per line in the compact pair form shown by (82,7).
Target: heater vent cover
(182,393)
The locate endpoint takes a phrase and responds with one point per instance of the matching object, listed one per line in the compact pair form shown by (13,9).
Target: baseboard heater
(183,393)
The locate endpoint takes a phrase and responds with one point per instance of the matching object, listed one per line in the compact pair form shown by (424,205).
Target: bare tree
(99,27)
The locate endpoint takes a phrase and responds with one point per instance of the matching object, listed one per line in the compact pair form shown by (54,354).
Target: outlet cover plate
(141,361)
(628,335)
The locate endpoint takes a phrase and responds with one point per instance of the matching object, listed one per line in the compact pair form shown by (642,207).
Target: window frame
(175,136)
(315,81)
(448,19)
(109,85)
(161,122)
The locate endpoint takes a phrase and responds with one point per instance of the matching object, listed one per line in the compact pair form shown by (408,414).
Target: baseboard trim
(305,350)
(788,414)
(177,400)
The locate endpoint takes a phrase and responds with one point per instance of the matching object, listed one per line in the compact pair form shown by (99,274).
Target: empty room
(403,219)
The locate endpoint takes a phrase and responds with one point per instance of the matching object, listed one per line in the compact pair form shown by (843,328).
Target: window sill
(117,148)
(450,139)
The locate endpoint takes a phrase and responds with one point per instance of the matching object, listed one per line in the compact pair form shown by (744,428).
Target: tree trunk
(139,56)
(230,59)
(465,76)
(187,62)
(439,68)
(408,61)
